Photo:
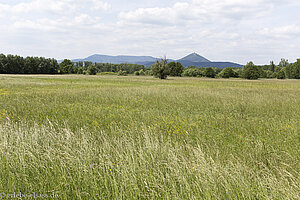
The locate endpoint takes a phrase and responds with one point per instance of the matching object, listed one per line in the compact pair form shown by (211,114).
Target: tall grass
(141,138)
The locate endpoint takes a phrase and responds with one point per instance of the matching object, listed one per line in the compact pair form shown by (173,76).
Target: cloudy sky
(227,30)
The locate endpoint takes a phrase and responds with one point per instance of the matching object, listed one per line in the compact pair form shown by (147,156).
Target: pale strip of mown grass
(136,164)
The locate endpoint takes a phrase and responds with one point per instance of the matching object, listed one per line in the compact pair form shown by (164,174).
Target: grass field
(109,137)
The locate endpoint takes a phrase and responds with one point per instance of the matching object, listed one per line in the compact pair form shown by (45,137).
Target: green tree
(142,72)
(161,69)
(251,71)
(44,66)
(92,70)
(31,65)
(122,73)
(193,72)
(228,72)
(87,64)
(293,70)
(272,66)
(281,74)
(296,69)
(80,70)
(176,68)
(3,64)
(14,64)
(66,67)
(209,72)
(283,62)
(54,66)
(137,73)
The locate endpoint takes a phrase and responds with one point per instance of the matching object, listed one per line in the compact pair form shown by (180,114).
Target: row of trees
(162,69)
(281,71)
(13,64)
(86,67)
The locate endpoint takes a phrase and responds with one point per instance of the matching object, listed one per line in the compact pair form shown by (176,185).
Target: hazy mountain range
(192,59)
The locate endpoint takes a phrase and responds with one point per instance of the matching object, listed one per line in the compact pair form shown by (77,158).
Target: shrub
(122,73)
(141,72)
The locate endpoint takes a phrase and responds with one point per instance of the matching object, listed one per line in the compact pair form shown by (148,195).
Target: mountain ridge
(192,59)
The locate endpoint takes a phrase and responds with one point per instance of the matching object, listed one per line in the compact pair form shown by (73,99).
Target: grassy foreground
(97,137)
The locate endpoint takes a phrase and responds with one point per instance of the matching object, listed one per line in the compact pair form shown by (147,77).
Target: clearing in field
(97,137)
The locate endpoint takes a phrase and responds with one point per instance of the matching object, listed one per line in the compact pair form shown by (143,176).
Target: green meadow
(110,137)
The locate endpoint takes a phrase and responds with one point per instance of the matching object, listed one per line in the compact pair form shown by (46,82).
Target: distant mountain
(192,59)
(196,60)
(117,59)
(220,65)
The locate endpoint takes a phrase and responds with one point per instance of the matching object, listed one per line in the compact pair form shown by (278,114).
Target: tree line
(14,64)
(86,67)
(161,69)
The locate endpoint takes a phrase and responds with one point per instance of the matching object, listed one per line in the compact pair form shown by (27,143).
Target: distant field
(109,137)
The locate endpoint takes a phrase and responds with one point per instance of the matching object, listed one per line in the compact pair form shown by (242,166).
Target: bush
(148,73)
(136,73)
(141,72)
(122,73)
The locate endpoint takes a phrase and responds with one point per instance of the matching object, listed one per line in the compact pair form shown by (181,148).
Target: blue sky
(228,30)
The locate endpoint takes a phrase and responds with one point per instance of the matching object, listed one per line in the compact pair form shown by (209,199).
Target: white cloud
(56,6)
(63,24)
(203,11)
(35,6)
(53,15)
(100,5)
(289,31)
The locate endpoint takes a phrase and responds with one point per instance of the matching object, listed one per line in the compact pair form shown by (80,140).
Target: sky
(229,30)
